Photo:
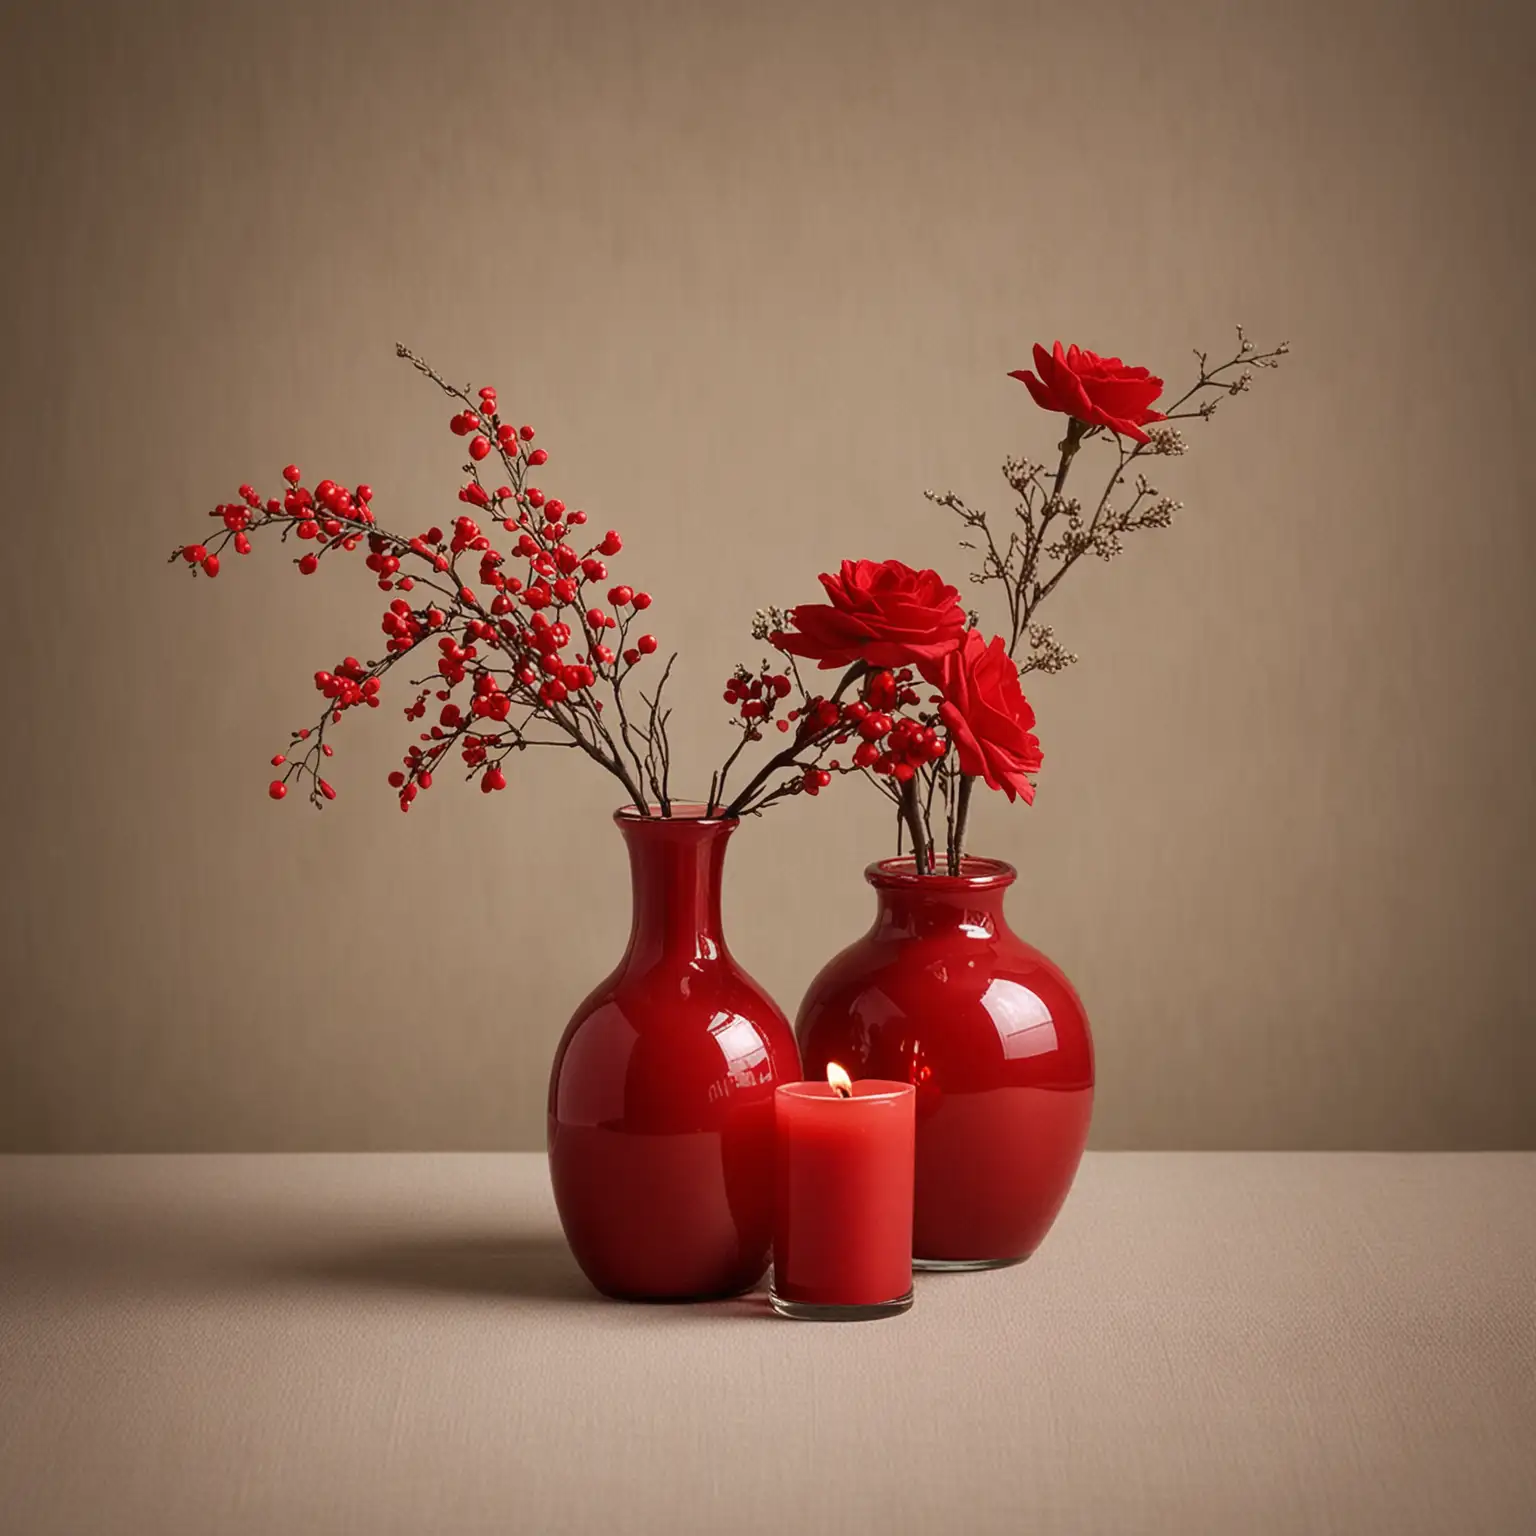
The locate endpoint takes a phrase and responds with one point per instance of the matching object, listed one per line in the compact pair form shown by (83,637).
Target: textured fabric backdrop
(757,273)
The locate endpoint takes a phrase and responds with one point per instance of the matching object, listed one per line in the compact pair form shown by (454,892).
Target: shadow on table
(493,1266)
(46,1250)
(530,1268)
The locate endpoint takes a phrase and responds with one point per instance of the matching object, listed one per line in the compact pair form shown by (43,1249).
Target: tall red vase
(661,1119)
(941,993)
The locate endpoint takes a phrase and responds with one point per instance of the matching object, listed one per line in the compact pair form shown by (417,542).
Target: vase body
(661,1117)
(942,994)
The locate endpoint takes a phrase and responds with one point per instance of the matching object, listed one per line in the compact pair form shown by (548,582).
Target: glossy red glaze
(941,993)
(661,1120)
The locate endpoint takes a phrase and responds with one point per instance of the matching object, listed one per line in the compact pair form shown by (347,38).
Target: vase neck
(913,906)
(675,868)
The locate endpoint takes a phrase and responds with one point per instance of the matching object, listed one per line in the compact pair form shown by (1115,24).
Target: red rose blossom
(986,714)
(883,613)
(1099,390)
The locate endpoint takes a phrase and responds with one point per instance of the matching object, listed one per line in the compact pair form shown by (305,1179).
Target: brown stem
(913,815)
(1069,446)
(962,817)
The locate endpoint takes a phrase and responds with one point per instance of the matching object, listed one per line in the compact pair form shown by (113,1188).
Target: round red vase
(661,1119)
(942,994)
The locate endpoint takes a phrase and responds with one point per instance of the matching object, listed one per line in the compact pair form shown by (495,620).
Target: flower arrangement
(535,645)
(904,632)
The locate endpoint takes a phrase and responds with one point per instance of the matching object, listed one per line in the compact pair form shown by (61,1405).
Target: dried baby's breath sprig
(767,622)
(1052,532)
(1045,654)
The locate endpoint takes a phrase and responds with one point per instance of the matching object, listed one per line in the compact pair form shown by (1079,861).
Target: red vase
(661,1119)
(941,993)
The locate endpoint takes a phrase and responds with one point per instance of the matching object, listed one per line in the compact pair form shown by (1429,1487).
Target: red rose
(986,714)
(1099,390)
(883,613)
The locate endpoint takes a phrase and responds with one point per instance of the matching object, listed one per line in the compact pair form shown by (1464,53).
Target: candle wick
(841,1091)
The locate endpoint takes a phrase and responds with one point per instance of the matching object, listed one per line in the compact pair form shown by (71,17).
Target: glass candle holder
(842,1237)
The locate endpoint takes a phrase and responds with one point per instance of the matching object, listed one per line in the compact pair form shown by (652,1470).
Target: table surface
(1248,1342)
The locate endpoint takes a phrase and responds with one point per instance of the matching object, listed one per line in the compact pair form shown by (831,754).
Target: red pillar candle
(842,1238)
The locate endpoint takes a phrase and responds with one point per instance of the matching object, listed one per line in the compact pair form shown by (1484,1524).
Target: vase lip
(976,874)
(691,813)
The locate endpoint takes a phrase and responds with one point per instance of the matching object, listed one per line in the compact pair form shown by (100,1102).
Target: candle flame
(841,1083)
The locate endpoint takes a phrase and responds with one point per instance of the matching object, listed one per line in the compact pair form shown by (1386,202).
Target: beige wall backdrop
(757,273)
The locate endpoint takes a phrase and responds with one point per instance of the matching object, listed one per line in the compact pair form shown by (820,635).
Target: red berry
(618,596)
(277,789)
(631,655)
(611,544)
(211,565)
(308,565)
(194,553)
(526,433)
(479,447)
(538,456)
(242,544)
(279,760)
(326,790)
(646,644)
(642,599)
(291,475)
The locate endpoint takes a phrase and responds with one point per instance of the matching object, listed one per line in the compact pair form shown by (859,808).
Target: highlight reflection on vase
(661,1096)
(941,993)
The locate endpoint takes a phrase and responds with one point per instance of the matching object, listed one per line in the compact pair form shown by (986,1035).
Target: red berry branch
(519,648)
(884,743)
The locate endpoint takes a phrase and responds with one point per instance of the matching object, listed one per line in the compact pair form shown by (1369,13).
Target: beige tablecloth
(1222,1343)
